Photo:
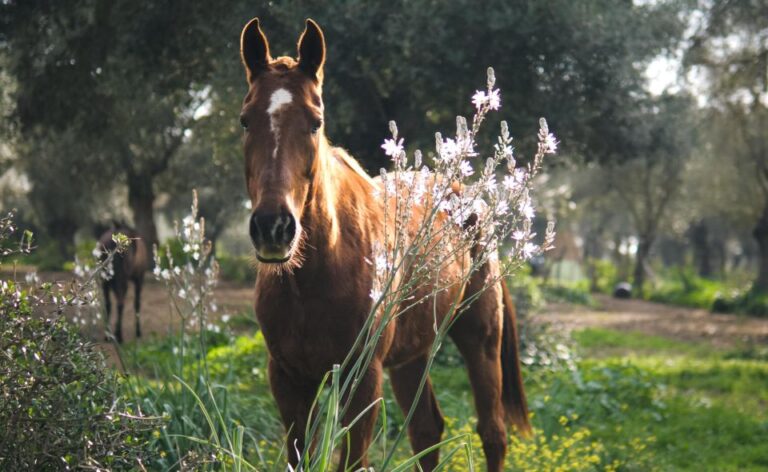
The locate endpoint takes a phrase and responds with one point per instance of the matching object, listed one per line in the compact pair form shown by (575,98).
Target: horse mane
(341,194)
(350,162)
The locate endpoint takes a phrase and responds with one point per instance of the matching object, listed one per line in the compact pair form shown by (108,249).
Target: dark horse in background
(129,266)
(313,223)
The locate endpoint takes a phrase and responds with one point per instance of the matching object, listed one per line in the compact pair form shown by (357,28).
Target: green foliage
(172,250)
(698,407)
(687,289)
(237,268)
(526,291)
(606,275)
(576,293)
(60,407)
(227,382)
(46,257)
(748,303)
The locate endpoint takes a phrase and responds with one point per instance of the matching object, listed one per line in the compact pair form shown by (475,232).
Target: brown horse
(313,222)
(129,266)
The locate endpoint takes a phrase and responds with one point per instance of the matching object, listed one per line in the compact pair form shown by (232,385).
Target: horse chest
(308,335)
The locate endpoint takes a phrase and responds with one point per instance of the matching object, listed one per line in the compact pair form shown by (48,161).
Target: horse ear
(254,50)
(312,50)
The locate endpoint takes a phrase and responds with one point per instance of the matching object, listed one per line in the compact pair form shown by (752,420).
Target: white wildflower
(519,235)
(492,99)
(551,143)
(529,250)
(526,208)
(392,148)
(466,168)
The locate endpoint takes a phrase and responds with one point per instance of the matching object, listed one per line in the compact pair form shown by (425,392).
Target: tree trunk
(62,231)
(141,198)
(699,235)
(760,234)
(643,250)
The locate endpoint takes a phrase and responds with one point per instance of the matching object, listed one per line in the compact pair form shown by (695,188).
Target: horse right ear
(254,50)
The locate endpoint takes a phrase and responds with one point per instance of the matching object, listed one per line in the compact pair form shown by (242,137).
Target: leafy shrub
(685,288)
(748,303)
(577,293)
(606,275)
(600,393)
(60,406)
(46,257)
(569,448)
(236,269)
(171,252)
(542,347)
(526,291)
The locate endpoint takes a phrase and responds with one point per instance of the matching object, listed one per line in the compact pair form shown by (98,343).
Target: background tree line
(117,109)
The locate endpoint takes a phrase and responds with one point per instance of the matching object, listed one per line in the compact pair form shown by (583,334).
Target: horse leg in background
(477,333)
(426,426)
(294,401)
(105,286)
(137,283)
(121,289)
(354,453)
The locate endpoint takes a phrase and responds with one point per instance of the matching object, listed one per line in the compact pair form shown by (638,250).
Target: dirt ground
(686,324)
(626,315)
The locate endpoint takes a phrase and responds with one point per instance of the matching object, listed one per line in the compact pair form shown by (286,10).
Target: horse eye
(316,126)
(243,122)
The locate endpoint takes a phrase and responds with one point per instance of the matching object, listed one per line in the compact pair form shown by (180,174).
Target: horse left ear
(254,50)
(312,50)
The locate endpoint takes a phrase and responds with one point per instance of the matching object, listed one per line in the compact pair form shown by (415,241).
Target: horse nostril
(253,229)
(272,229)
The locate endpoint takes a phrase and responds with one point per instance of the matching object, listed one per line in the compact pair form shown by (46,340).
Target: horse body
(313,224)
(127,267)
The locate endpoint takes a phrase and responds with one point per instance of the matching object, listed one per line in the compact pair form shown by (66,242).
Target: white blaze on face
(279,99)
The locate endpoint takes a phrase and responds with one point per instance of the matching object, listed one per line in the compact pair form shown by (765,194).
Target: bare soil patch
(687,324)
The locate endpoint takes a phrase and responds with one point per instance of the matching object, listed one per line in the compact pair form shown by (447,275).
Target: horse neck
(340,206)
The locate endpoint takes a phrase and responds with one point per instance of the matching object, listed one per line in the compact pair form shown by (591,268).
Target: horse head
(282,118)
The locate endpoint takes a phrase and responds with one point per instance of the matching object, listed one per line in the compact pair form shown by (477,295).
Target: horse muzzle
(272,235)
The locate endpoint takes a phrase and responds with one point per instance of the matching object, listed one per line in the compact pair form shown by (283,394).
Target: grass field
(630,401)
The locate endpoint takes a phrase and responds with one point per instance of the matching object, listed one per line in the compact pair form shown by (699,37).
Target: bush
(237,269)
(526,291)
(606,275)
(60,408)
(748,303)
(577,293)
(685,288)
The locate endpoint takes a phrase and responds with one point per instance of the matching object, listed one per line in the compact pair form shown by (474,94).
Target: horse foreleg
(137,304)
(477,334)
(120,291)
(365,398)
(294,401)
(107,308)
(426,426)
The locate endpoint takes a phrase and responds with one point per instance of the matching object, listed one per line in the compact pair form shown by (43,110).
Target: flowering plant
(484,207)
(190,282)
